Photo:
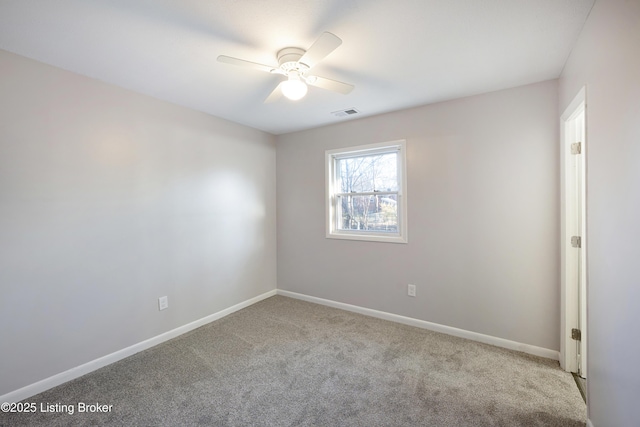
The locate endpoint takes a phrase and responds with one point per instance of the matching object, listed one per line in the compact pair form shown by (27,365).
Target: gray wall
(606,59)
(483,190)
(110,199)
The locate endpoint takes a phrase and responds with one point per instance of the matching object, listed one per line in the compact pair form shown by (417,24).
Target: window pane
(377,172)
(373,213)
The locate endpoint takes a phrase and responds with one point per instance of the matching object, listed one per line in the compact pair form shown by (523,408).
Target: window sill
(367,237)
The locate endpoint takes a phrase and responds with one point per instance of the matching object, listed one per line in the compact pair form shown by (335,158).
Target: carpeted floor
(285,362)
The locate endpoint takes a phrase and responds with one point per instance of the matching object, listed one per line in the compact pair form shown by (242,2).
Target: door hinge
(576,148)
(576,241)
(576,334)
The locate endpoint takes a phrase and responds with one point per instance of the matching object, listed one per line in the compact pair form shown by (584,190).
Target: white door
(574,237)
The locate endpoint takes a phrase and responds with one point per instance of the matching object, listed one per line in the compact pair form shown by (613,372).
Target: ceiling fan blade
(322,47)
(275,95)
(333,85)
(243,63)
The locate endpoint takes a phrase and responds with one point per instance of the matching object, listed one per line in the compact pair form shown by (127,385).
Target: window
(366,193)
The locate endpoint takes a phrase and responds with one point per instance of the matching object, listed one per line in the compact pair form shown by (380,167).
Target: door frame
(571,297)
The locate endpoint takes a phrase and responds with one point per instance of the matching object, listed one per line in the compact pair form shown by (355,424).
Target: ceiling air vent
(345,113)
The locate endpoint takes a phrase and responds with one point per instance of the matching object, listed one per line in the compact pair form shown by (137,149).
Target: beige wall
(483,211)
(606,59)
(109,200)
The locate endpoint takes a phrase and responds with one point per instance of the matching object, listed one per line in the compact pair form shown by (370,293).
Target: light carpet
(285,362)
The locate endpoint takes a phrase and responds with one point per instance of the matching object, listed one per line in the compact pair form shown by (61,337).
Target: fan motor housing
(288,59)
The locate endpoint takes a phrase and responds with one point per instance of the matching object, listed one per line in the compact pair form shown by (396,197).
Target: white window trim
(331,230)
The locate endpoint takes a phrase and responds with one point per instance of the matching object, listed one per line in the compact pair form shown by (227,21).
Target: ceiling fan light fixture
(294,88)
(294,63)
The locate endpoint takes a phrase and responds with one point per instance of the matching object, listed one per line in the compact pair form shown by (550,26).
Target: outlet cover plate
(411,290)
(163,302)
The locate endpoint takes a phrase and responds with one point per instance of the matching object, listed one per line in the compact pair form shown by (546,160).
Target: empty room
(320,212)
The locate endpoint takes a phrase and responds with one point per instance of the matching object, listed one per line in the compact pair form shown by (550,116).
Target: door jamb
(569,315)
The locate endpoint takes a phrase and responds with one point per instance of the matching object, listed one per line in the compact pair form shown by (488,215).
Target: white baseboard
(78,371)
(589,423)
(474,336)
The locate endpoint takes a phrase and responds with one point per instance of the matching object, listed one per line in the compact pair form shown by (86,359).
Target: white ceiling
(397,53)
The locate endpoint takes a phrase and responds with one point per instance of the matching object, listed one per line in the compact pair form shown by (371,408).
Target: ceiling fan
(295,63)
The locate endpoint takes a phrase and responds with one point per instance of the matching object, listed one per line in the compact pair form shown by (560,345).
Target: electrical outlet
(163,302)
(411,290)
